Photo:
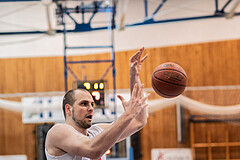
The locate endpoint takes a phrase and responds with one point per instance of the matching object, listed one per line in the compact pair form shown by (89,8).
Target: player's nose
(90,108)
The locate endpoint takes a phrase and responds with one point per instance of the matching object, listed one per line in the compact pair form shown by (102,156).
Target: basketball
(169,80)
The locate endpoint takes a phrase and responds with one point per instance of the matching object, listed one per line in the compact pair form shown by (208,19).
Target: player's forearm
(136,124)
(142,117)
(134,79)
(109,136)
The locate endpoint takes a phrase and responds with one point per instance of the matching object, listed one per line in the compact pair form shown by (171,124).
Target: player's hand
(137,102)
(135,62)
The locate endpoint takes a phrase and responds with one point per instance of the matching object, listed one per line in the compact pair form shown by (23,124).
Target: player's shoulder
(102,126)
(60,128)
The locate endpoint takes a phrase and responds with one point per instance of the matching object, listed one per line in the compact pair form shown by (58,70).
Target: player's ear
(68,109)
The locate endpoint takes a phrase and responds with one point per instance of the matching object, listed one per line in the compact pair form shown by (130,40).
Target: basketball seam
(170,82)
(171,70)
(165,93)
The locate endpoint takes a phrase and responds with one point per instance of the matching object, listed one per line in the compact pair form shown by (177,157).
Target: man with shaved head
(78,139)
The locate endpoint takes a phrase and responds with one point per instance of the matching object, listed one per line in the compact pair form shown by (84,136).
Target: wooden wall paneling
(29,139)
(146,69)
(209,69)
(53,73)
(48,74)
(160,132)
(10,75)
(106,70)
(48,69)
(2,132)
(146,135)
(2,78)
(233,128)
(76,69)
(14,133)
(60,72)
(24,77)
(101,70)
(122,69)
(92,71)
(150,64)
(39,76)
(215,97)
(231,63)
(193,65)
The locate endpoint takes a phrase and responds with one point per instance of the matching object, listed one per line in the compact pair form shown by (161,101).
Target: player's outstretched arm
(63,138)
(140,121)
(135,64)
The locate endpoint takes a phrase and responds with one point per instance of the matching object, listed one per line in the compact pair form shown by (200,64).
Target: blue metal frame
(151,21)
(222,10)
(82,27)
(156,10)
(86,26)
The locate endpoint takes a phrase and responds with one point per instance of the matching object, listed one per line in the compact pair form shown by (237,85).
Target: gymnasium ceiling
(174,22)
(21,16)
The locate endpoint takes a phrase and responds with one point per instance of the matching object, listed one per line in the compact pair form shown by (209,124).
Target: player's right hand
(137,102)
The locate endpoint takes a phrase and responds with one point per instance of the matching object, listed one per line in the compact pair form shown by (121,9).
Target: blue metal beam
(159,7)
(222,10)
(86,47)
(90,61)
(146,22)
(151,21)
(88,9)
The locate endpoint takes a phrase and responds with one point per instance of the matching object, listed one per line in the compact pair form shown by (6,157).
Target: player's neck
(77,128)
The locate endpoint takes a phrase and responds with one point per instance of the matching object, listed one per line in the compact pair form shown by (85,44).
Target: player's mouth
(89,117)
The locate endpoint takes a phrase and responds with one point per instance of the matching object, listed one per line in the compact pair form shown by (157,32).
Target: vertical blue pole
(146,8)
(131,156)
(65,53)
(110,28)
(216,5)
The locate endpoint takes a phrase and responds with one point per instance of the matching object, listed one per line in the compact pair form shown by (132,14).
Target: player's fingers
(134,57)
(137,55)
(146,97)
(121,99)
(145,105)
(143,59)
(140,94)
(134,92)
(135,63)
(140,53)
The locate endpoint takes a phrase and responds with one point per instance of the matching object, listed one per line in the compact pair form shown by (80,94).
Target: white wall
(32,16)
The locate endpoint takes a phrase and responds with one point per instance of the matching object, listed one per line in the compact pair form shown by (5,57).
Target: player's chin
(89,121)
(89,125)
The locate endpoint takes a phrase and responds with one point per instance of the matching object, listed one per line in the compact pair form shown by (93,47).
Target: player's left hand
(135,62)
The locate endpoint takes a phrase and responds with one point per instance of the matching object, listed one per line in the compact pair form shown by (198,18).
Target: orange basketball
(169,80)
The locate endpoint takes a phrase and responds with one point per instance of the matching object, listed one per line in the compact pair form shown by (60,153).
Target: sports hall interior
(207,48)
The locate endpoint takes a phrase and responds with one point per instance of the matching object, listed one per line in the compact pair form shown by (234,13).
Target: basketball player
(78,139)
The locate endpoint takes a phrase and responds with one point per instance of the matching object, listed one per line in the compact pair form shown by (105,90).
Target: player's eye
(84,103)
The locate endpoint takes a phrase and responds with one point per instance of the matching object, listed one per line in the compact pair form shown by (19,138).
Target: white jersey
(92,132)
